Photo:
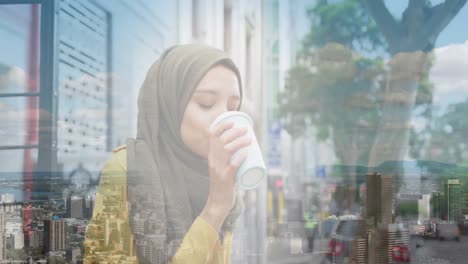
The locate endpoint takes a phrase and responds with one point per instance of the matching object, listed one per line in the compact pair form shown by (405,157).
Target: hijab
(168,184)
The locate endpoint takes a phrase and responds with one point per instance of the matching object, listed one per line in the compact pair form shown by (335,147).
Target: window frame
(47,138)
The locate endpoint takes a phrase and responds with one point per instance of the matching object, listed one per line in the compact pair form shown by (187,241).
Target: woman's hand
(225,140)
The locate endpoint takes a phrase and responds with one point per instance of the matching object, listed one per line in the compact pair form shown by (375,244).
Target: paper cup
(252,170)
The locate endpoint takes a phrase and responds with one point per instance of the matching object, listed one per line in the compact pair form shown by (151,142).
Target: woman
(169,196)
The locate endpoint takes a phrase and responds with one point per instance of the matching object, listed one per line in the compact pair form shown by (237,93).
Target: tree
(409,42)
(335,88)
(449,137)
(361,26)
(337,91)
(358,101)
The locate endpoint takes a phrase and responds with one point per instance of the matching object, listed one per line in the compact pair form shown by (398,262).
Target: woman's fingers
(225,141)
(237,144)
(232,134)
(223,164)
(235,164)
(218,129)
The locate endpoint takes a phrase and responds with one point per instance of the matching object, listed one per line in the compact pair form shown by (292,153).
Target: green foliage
(449,137)
(409,208)
(332,87)
(338,92)
(345,22)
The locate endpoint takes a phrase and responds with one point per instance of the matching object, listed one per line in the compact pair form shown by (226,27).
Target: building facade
(453,197)
(380,199)
(2,237)
(54,235)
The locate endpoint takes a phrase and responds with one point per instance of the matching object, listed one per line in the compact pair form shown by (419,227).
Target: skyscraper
(27,222)
(388,237)
(453,198)
(379,198)
(75,207)
(436,205)
(54,235)
(2,237)
(384,235)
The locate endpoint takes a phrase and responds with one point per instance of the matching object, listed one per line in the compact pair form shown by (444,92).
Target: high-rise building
(389,236)
(75,207)
(73,254)
(358,252)
(89,206)
(37,239)
(2,237)
(379,200)
(453,198)
(359,247)
(27,222)
(436,204)
(54,235)
(384,234)
(17,240)
(424,207)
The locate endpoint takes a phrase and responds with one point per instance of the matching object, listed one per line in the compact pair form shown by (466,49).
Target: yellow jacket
(108,235)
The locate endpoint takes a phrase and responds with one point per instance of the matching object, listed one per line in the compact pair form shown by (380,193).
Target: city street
(283,251)
(435,251)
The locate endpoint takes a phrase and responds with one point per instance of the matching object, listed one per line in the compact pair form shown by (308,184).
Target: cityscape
(384,222)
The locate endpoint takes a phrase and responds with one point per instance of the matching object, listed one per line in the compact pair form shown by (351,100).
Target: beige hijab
(168,184)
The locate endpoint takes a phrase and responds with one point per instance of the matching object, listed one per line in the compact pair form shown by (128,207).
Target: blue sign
(321,172)
(275,129)
(274,149)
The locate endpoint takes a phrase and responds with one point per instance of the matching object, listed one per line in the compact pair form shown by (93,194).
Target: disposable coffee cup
(252,170)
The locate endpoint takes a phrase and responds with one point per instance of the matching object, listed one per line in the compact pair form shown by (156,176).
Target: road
(435,251)
(285,251)
(432,251)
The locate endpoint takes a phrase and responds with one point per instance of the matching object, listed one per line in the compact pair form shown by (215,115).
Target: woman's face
(217,92)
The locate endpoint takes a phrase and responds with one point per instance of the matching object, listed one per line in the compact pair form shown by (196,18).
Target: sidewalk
(286,250)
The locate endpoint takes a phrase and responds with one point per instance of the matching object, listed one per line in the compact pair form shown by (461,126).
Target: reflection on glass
(19,71)
(19,122)
(13,178)
(16,121)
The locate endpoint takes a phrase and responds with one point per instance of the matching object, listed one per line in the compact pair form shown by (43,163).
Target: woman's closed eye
(205,106)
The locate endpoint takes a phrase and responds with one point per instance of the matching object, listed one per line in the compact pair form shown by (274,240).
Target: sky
(453,33)
(448,73)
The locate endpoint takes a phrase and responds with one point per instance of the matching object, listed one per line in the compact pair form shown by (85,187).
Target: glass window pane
(19,48)
(14,180)
(19,121)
